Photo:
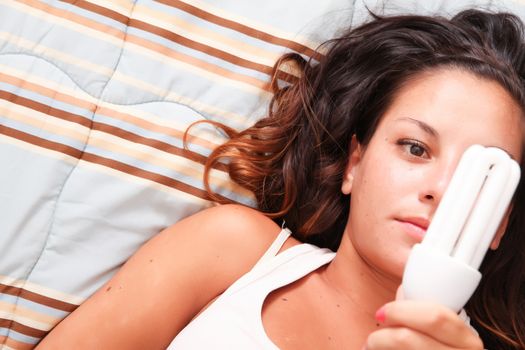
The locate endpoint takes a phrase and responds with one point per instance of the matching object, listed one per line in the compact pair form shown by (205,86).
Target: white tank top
(233,320)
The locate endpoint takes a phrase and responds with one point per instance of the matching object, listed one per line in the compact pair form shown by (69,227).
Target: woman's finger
(395,338)
(433,320)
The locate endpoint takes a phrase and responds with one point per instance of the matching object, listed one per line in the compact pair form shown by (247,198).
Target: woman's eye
(414,148)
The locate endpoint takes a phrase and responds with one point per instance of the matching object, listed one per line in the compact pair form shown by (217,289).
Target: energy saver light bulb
(444,267)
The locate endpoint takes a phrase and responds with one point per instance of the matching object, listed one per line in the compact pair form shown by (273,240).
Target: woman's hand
(408,324)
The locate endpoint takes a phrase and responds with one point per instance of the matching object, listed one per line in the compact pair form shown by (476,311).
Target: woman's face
(397,182)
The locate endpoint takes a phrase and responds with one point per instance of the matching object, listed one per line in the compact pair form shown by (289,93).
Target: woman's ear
(353,161)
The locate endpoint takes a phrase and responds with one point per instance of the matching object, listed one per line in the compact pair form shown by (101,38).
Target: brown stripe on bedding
(254,33)
(99,9)
(40,142)
(207,16)
(15,344)
(157,48)
(132,119)
(43,90)
(109,129)
(209,50)
(158,178)
(75,18)
(35,297)
(147,125)
(110,163)
(20,328)
(179,39)
(46,109)
(194,61)
(160,145)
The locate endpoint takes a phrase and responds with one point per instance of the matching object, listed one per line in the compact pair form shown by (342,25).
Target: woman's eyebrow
(424,126)
(433,132)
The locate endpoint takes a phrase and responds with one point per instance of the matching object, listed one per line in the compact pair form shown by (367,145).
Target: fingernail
(380,315)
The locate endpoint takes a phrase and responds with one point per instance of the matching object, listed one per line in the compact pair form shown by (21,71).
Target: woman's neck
(358,282)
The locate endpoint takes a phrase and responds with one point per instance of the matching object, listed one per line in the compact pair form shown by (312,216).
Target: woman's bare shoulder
(223,241)
(240,229)
(229,228)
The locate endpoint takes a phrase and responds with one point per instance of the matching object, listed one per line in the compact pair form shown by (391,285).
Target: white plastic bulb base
(433,276)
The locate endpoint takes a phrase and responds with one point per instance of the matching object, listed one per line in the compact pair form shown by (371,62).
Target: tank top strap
(275,246)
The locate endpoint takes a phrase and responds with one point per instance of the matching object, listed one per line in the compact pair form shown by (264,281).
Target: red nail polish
(380,315)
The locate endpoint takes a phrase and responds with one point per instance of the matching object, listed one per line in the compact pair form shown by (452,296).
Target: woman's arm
(167,282)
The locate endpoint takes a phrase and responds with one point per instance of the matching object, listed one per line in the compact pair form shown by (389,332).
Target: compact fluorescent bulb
(444,267)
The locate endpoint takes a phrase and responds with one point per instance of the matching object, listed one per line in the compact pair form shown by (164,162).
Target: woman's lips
(415,227)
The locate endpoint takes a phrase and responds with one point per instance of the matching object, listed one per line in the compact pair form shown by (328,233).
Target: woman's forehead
(459,106)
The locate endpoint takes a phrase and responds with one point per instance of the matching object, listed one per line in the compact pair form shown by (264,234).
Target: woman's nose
(437,181)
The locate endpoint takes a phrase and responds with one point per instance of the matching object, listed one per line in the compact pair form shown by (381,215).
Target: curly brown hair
(293,160)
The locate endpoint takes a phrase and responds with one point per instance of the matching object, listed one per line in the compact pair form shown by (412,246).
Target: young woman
(354,157)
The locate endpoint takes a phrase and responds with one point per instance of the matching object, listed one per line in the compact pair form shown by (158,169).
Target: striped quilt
(95,96)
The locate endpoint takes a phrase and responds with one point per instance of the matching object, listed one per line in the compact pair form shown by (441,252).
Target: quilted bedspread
(95,97)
